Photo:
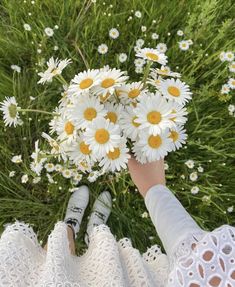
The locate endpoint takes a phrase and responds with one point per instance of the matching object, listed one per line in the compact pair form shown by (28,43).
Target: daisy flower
(222,56)
(153,113)
(165,71)
(113,33)
(232,67)
(231,83)
(49,167)
(66,129)
(152,55)
(49,32)
(12,173)
(67,173)
(131,92)
(175,90)
(155,36)
(180,33)
(27,27)
(179,114)
(195,190)
(102,136)
(117,159)
(161,47)
(92,177)
(229,56)
(178,136)
(17,158)
(55,67)
(225,89)
(122,57)
(109,80)
(16,68)
(114,112)
(139,62)
(128,123)
(139,42)
(184,45)
(200,169)
(139,70)
(138,14)
(24,178)
(154,147)
(193,176)
(190,163)
(83,112)
(103,49)
(10,109)
(84,81)
(154,79)
(56,147)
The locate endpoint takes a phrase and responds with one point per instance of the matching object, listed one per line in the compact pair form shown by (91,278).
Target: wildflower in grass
(153,113)
(55,48)
(231,83)
(138,14)
(113,112)
(37,179)
(193,176)
(139,70)
(67,173)
(200,169)
(50,178)
(175,90)
(24,178)
(12,173)
(49,167)
(38,160)
(230,209)
(77,177)
(49,32)
(66,129)
(17,158)
(139,42)
(102,136)
(122,57)
(154,36)
(152,55)
(178,136)
(225,89)
(93,176)
(165,71)
(162,47)
(55,67)
(143,28)
(116,159)
(182,176)
(229,56)
(131,92)
(180,33)
(145,214)
(195,190)
(222,56)
(16,68)
(166,166)
(103,49)
(139,62)
(232,67)
(114,33)
(27,27)
(190,163)
(184,45)
(58,167)
(10,110)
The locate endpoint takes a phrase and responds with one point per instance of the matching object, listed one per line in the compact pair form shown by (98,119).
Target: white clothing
(194,257)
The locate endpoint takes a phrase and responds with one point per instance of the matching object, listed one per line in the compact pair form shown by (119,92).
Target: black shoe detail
(76,209)
(100,215)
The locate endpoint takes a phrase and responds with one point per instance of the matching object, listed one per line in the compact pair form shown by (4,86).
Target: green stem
(146,73)
(38,111)
(61,79)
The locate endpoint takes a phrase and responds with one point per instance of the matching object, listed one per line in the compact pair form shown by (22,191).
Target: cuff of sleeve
(152,193)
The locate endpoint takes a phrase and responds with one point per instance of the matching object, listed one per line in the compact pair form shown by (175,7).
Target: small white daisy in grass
(50,167)
(128,123)
(49,32)
(143,28)
(10,110)
(27,27)
(232,67)
(83,112)
(114,33)
(131,92)
(166,166)
(114,112)
(178,136)
(109,80)
(58,167)
(152,55)
(103,49)
(137,49)
(139,70)
(66,130)
(153,147)
(36,179)
(229,56)
(184,45)
(154,79)
(193,176)
(102,136)
(138,14)
(92,177)
(195,190)
(190,163)
(36,167)
(139,62)
(154,36)
(231,108)
(24,178)
(55,67)
(38,159)
(230,209)
(175,90)
(139,42)
(231,83)
(153,113)
(17,158)
(222,56)
(117,159)
(77,177)
(165,71)
(67,173)
(200,169)
(84,81)
(12,173)
(122,57)
(145,214)
(225,89)
(16,68)
(54,144)
(180,33)
(161,47)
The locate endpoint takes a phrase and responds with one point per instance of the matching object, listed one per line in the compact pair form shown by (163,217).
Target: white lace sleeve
(170,218)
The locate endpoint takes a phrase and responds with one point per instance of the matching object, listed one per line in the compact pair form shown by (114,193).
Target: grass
(82,27)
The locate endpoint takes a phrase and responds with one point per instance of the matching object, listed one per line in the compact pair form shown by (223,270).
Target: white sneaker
(100,213)
(76,208)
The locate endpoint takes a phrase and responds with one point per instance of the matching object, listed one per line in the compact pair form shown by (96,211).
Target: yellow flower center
(89,114)
(183,45)
(152,56)
(84,148)
(118,93)
(173,91)
(54,71)
(102,136)
(134,93)
(135,124)
(154,117)
(114,154)
(69,128)
(174,135)
(173,112)
(154,141)
(12,109)
(233,83)
(112,117)
(86,83)
(107,83)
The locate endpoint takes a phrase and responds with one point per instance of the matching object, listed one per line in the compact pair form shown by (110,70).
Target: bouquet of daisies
(103,117)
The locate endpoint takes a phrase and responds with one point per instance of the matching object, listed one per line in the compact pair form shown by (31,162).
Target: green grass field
(83,26)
